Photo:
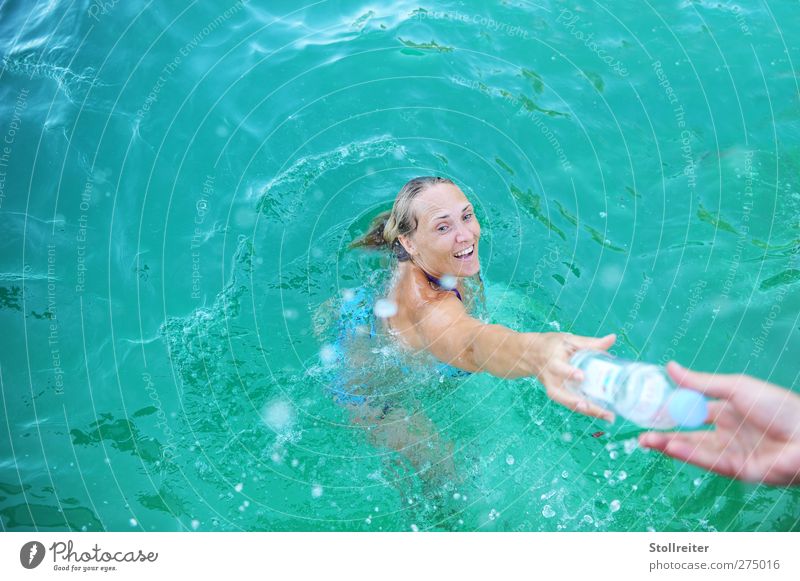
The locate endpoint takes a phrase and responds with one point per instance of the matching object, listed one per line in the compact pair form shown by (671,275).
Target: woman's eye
(442,228)
(467,216)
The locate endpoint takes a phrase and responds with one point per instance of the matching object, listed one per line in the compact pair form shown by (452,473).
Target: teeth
(465,251)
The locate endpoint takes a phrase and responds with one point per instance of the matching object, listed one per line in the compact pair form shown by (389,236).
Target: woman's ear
(409,247)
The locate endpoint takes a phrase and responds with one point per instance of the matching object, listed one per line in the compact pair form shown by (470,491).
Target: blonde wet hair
(387,227)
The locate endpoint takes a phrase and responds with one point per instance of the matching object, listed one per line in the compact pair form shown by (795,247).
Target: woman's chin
(471,268)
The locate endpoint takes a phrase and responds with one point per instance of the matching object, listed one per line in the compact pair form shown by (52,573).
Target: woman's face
(446,239)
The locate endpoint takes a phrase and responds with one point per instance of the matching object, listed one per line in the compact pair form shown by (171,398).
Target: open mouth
(465,254)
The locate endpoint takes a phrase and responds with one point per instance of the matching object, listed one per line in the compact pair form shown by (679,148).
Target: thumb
(715,385)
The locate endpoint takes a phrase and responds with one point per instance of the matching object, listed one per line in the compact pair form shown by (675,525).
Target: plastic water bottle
(639,392)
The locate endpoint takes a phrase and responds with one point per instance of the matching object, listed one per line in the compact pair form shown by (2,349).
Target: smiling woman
(434,234)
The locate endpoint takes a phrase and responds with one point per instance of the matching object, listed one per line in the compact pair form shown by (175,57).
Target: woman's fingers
(597,343)
(702,449)
(716,409)
(565,371)
(718,386)
(576,403)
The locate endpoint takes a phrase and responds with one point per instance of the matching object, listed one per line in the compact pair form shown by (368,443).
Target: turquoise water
(179,186)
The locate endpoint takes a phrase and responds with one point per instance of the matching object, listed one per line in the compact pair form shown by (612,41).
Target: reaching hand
(553,352)
(757,435)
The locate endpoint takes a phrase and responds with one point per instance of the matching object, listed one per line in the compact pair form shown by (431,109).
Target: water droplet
(278,415)
(448,281)
(316,491)
(698,481)
(615,504)
(566,436)
(588,519)
(385,308)
(415,528)
(368,520)
(290,314)
(348,295)
(295,462)
(606,474)
(133,522)
(565,474)
(456,496)
(276,458)
(622,475)
(510,460)
(328,354)
(613,454)
(493,514)
(238,487)
(548,512)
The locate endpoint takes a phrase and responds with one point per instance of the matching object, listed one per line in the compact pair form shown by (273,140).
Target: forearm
(502,352)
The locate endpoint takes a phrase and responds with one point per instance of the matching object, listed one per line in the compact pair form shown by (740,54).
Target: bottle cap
(688,409)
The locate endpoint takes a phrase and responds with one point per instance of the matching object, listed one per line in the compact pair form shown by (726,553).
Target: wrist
(535,357)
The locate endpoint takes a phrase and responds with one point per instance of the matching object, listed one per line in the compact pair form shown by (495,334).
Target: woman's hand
(552,352)
(757,435)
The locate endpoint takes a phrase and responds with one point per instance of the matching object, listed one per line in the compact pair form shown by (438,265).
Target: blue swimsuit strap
(438,283)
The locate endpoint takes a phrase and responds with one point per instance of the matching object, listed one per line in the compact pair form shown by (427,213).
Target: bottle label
(599,380)
(651,397)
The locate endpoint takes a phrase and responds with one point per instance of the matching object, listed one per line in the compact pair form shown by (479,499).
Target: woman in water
(434,234)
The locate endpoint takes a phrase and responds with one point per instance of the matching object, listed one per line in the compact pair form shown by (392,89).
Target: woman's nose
(463,234)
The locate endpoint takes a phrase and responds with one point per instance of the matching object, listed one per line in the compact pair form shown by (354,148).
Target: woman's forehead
(440,199)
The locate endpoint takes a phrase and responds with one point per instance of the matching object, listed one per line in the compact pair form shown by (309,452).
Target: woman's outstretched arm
(454,337)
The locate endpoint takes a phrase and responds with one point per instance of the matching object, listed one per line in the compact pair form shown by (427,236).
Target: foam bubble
(278,415)
(385,308)
(448,281)
(548,512)
(328,354)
